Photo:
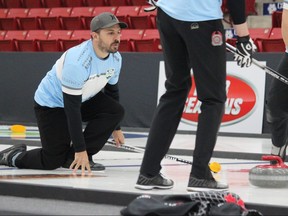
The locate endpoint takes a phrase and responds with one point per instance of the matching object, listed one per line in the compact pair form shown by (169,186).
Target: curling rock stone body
(269,176)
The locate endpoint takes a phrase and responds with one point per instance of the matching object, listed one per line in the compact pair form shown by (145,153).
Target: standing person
(71,93)
(192,36)
(277,99)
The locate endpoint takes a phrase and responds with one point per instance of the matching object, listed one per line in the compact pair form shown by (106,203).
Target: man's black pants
(101,115)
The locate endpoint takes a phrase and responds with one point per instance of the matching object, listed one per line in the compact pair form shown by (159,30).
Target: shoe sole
(23,147)
(197,189)
(150,187)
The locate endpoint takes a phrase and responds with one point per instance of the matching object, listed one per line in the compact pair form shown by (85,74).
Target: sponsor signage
(244,106)
(269,8)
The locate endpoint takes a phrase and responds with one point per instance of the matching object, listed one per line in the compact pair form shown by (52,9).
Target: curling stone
(270,175)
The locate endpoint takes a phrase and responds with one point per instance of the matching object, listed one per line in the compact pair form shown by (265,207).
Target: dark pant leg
(55,140)
(101,114)
(277,107)
(169,111)
(209,71)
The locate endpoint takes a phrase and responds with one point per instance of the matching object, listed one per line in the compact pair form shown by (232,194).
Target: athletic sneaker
(93,166)
(205,185)
(7,154)
(159,181)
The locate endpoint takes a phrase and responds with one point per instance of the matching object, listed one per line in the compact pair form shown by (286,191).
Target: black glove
(244,50)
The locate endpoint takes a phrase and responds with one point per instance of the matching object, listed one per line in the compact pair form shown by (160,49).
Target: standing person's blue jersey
(192,10)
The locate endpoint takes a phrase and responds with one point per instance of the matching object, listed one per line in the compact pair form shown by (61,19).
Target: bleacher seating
(3,12)
(138,2)
(143,20)
(2,34)
(54,19)
(93,3)
(276,19)
(32,3)
(8,43)
(259,33)
(12,3)
(275,33)
(127,37)
(41,18)
(73,3)
(29,43)
(150,42)
(76,20)
(270,44)
(32,20)
(124,13)
(10,22)
(52,3)
(117,2)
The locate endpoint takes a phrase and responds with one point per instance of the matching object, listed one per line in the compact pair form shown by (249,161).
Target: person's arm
(244,44)
(72,107)
(113,92)
(284,24)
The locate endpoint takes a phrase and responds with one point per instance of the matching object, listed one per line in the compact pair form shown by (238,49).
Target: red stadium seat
(276,19)
(93,3)
(224,7)
(59,34)
(3,12)
(8,43)
(73,3)
(52,3)
(80,35)
(150,42)
(138,2)
(30,41)
(32,20)
(98,10)
(17,12)
(250,7)
(275,33)
(15,34)
(77,37)
(143,20)
(117,3)
(32,3)
(270,45)
(11,20)
(124,12)
(2,34)
(7,46)
(259,32)
(68,43)
(231,41)
(53,21)
(12,3)
(53,42)
(127,35)
(76,20)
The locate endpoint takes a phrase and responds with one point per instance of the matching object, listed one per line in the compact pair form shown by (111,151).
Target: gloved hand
(244,50)
(153,7)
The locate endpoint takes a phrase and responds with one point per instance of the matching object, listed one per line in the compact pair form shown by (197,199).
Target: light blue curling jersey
(192,10)
(78,72)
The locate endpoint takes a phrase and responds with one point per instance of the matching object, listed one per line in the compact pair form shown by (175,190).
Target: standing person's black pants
(101,113)
(277,108)
(187,45)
